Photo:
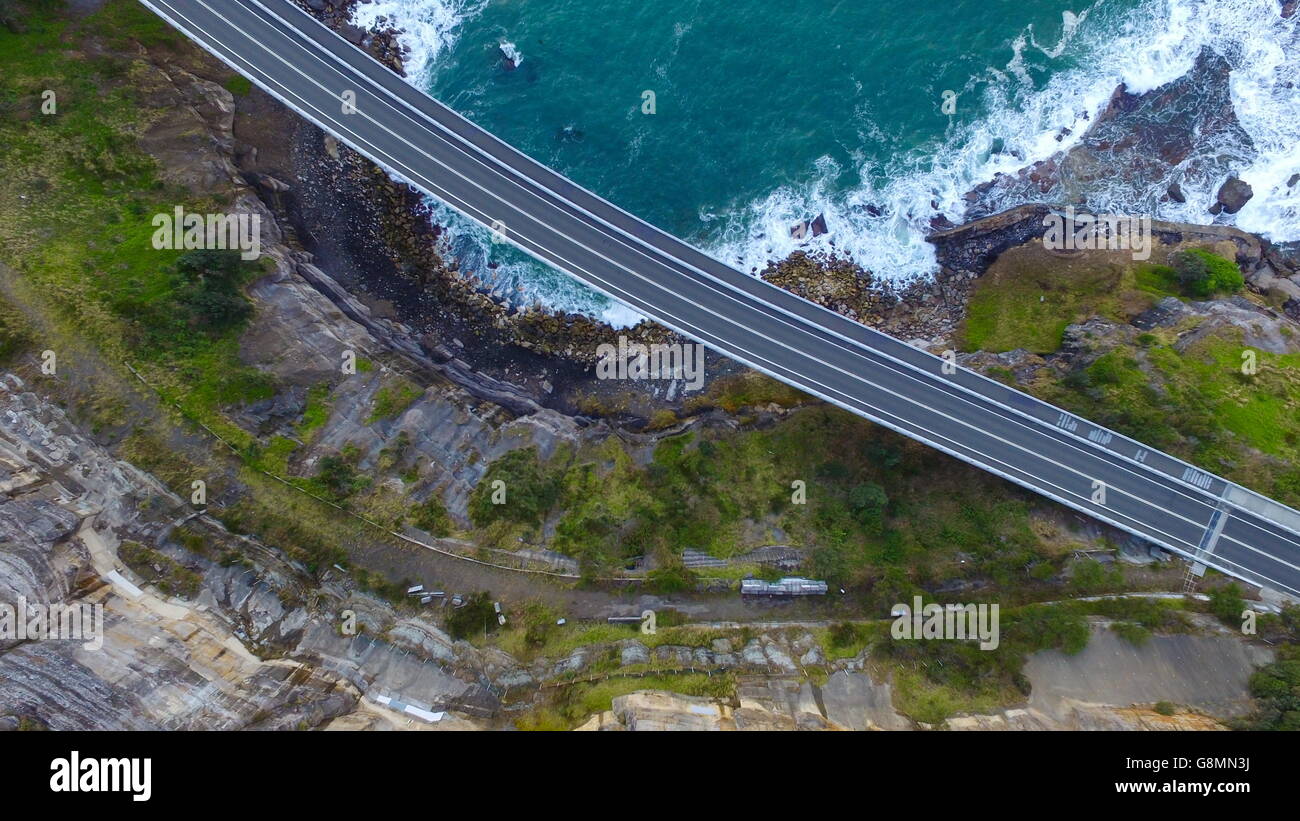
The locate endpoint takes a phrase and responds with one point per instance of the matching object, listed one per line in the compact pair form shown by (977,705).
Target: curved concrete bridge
(1049,451)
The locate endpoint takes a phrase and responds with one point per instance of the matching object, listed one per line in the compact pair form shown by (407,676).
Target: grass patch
(576,703)
(76,203)
(238,85)
(392,399)
(168,575)
(1028,297)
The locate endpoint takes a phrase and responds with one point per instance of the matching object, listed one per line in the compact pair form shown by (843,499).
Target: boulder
(1233,196)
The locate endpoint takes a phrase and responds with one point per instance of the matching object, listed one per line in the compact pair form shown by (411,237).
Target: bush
(843,634)
(474,615)
(539,623)
(1134,634)
(1202,273)
(1227,604)
(432,517)
(529,491)
(868,502)
(211,295)
(1276,688)
(14,335)
(1165,708)
(338,476)
(671,579)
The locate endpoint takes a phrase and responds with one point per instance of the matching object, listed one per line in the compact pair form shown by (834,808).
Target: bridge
(1114,479)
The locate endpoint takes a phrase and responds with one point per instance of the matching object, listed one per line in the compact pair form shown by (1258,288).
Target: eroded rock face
(256,645)
(158,664)
(1136,137)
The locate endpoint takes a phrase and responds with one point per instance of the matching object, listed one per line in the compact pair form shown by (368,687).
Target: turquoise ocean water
(768,112)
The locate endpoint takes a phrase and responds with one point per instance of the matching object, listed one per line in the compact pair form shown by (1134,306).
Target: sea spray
(879,194)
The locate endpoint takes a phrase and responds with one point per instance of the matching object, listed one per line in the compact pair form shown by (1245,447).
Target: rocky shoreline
(926,312)
(211,625)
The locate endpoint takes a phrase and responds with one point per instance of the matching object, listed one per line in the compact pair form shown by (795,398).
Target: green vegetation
(1134,634)
(160,570)
(431,516)
(317,411)
(238,85)
(1206,398)
(76,203)
(936,679)
(672,579)
(391,400)
(528,490)
(1203,274)
(1276,686)
(15,337)
(1090,577)
(939,678)
(1199,405)
(846,639)
(1028,297)
(338,476)
(873,510)
(1227,605)
(747,390)
(575,703)
(474,618)
(201,300)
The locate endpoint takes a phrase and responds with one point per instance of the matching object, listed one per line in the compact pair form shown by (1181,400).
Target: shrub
(474,615)
(210,295)
(431,516)
(1202,273)
(338,475)
(671,579)
(530,492)
(1134,634)
(1276,688)
(1227,604)
(868,502)
(843,634)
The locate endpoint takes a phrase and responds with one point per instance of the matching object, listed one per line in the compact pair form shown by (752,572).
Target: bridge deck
(983,422)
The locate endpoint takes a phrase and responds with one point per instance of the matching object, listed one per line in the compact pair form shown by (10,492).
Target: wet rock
(1232,197)
(1176,194)
(1136,136)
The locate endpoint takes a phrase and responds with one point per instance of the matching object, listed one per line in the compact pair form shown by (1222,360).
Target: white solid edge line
(840,319)
(1244,572)
(338,124)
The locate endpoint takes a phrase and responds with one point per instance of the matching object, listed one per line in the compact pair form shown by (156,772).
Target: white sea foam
(882,224)
(429,28)
(512,53)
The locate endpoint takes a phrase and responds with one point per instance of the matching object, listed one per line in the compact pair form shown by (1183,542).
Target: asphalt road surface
(1103,474)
